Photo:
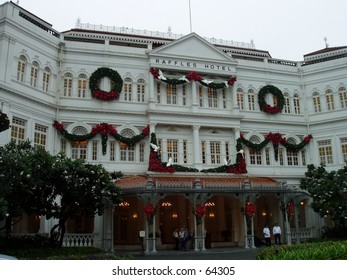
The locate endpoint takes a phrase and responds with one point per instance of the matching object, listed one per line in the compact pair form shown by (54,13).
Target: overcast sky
(288,29)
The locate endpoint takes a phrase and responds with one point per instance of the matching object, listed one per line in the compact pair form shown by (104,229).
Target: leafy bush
(64,253)
(38,247)
(326,250)
(25,241)
(335,232)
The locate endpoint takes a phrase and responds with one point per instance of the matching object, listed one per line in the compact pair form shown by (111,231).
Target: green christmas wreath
(266,107)
(116,84)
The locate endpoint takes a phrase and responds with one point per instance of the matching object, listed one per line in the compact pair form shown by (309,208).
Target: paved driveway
(209,254)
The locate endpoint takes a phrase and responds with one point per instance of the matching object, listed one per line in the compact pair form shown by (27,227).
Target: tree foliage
(34,182)
(326,188)
(23,189)
(82,189)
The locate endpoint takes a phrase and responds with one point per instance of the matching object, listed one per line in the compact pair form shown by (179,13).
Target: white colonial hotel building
(204,102)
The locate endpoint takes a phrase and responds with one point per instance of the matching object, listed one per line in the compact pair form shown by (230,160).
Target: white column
(195,97)
(196,144)
(147,238)
(195,235)
(6,52)
(203,234)
(252,238)
(152,98)
(287,228)
(237,133)
(97,233)
(246,231)
(154,250)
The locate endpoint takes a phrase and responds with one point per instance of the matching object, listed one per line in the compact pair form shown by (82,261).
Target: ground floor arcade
(224,222)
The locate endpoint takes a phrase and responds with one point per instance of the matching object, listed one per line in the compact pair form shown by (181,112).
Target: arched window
(239,98)
(251,102)
(296,102)
(34,74)
(46,79)
(128,88)
(67,91)
(127,152)
(141,90)
(79,148)
(22,62)
(82,85)
(286,106)
(329,97)
(292,156)
(343,97)
(254,154)
(316,102)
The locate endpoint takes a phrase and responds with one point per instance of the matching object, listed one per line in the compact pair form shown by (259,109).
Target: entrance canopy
(191,183)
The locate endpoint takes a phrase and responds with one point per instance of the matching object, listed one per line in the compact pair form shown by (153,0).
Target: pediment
(193,47)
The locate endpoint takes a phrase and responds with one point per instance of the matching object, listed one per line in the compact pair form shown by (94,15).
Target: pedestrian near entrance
(276,231)
(184,237)
(176,237)
(267,235)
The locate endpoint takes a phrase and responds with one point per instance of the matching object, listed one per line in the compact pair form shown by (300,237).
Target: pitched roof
(168,183)
(325,50)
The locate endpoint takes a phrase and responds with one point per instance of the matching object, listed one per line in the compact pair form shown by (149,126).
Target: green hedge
(324,250)
(64,253)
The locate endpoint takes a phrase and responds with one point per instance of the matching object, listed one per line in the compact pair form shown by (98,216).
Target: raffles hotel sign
(165,63)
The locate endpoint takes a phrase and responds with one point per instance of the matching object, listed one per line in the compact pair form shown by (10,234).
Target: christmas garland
(276,139)
(4,122)
(104,129)
(116,84)
(155,163)
(200,211)
(266,107)
(250,209)
(192,76)
(289,207)
(149,210)
(237,168)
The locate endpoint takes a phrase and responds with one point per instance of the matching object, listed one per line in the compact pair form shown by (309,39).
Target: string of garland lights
(192,76)
(104,129)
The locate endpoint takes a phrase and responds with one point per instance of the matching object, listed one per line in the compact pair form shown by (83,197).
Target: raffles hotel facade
(235,128)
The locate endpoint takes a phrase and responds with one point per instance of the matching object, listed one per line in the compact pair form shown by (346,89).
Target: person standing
(267,235)
(176,237)
(276,231)
(184,236)
(181,237)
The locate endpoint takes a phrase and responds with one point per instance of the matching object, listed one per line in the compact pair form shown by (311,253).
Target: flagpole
(190,17)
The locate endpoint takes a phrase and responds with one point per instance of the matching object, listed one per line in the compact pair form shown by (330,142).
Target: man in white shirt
(276,231)
(267,235)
